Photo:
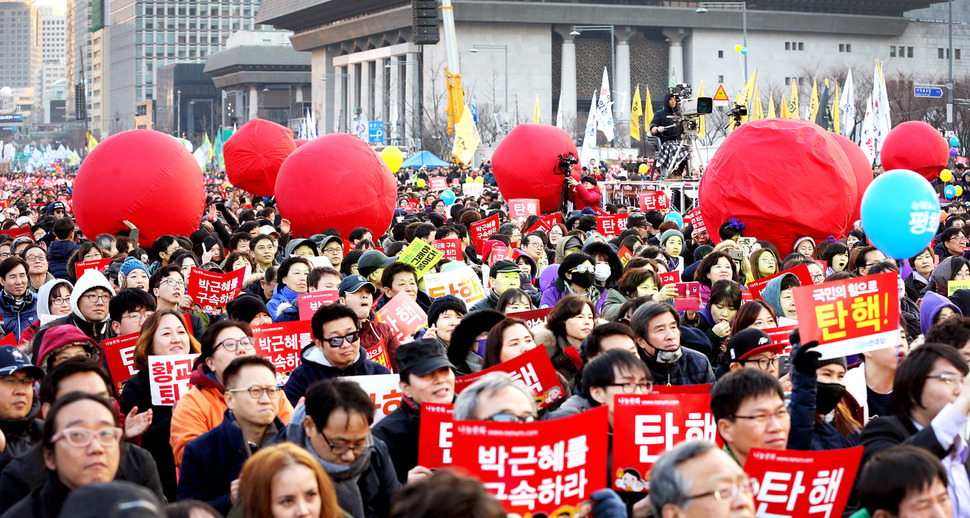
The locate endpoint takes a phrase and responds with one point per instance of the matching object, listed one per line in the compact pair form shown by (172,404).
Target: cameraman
(666,127)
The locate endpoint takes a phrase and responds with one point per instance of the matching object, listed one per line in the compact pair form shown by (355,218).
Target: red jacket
(583,197)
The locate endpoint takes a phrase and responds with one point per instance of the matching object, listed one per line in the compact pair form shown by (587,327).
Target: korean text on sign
(119,352)
(282,343)
(850,316)
(695,219)
(647,425)
(212,289)
(450,247)
(462,283)
(438,183)
(545,223)
(654,200)
(536,467)
(802,483)
(309,302)
(434,436)
(421,256)
(403,314)
(99,264)
(611,225)
(523,208)
(384,391)
(169,377)
(532,370)
(482,229)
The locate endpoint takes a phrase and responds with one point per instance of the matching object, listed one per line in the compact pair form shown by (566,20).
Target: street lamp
(579,29)
(504,48)
(178,115)
(732,6)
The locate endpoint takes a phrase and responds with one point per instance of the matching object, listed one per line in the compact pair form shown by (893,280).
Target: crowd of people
(239,443)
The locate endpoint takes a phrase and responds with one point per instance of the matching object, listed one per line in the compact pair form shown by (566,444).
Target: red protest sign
(482,229)
(378,353)
(437,183)
(523,208)
(119,353)
(310,302)
(213,290)
(654,200)
(695,219)
(647,425)
(450,247)
(546,223)
(625,255)
(800,271)
(99,264)
(16,232)
(403,314)
(611,224)
(169,377)
(499,252)
(688,296)
(532,369)
(803,483)
(961,159)
(850,316)
(434,435)
(532,317)
(8,340)
(281,343)
(542,467)
(669,277)
(779,335)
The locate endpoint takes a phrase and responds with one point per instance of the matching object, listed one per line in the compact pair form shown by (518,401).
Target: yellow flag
(466,139)
(757,112)
(747,94)
(784,107)
(210,151)
(835,109)
(536,117)
(771,105)
(702,124)
(647,109)
(635,112)
(813,102)
(793,101)
(91,142)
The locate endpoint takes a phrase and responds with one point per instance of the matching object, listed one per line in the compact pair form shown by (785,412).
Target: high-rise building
(145,36)
(20,55)
(52,45)
(78,36)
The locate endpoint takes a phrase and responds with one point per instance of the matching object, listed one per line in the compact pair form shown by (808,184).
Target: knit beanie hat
(837,361)
(444,303)
(669,234)
(245,307)
(131,264)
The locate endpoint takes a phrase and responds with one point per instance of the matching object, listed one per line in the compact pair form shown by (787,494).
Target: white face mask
(601,271)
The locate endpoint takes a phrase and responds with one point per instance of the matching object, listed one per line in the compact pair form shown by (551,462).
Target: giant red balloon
(861,168)
(917,146)
(336,181)
(254,154)
(784,179)
(525,163)
(145,177)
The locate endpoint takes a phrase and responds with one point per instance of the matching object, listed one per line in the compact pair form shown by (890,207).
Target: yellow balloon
(946,175)
(469,180)
(737,48)
(420,183)
(959,190)
(393,158)
(644,169)
(480,179)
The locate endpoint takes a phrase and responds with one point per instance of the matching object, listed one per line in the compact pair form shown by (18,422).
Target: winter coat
(202,408)
(57,255)
(17,322)
(212,461)
(572,406)
(691,369)
(45,501)
(282,296)
(564,243)
(931,306)
(806,432)
(489,302)
(399,430)
(665,117)
(137,393)
(611,306)
(98,331)
(314,367)
(21,434)
(559,290)
(374,333)
(583,197)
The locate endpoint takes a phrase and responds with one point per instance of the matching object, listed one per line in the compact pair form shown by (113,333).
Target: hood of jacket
(533,269)
(44,295)
(772,293)
(931,306)
(943,273)
(561,246)
(59,337)
(203,378)
(90,280)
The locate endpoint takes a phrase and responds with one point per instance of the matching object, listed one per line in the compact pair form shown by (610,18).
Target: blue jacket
(314,367)
(282,295)
(57,255)
(16,322)
(211,461)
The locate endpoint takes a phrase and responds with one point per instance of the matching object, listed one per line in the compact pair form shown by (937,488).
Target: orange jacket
(202,408)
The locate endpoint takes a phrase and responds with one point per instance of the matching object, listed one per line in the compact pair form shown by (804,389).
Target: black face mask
(828,396)
(582,279)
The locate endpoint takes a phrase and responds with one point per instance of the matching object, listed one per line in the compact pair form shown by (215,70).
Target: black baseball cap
(12,360)
(422,357)
(749,342)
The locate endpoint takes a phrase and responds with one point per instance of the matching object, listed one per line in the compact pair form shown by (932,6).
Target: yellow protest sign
(952,286)
(421,256)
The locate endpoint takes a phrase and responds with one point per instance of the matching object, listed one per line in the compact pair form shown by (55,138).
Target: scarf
(17,305)
(345,481)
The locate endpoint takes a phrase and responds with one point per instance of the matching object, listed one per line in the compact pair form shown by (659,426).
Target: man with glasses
(211,463)
(332,247)
(336,351)
(89,309)
(36,258)
(749,409)
(752,348)
(6,248)
(333,425)
(953,239)
(609,373)
(20,427)
(129,309)
(168,286)
(696,480)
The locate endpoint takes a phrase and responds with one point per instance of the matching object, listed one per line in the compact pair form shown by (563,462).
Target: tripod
(685,153)
(564,168)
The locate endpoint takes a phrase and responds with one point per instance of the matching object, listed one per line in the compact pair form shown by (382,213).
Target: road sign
(721,95)
(931,91)
(375,132)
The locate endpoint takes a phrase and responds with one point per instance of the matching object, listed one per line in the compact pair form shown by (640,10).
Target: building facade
(20,49)
(53,41)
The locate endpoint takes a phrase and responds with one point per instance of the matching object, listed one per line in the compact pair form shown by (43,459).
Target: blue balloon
(950,191)
(744,50)
(954,142)
(900,213)
(675,217)
(448,196)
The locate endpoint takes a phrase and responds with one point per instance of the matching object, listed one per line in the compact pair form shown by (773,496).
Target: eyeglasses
(136,316)
(338,341)
(92,257)
(4,254)
(13,380)
(257,392)
(173,283)
(94,297)
(731,490)
(60,301)
(231,344)
(332,250)
(632,388)
(781,416)
(763,363)
(505,417)
(947,378)
(340,449)
(818,278)
(37,258)
(583,268)
(81,437)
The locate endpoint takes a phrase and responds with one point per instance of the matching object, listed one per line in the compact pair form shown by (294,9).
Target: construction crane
(456,94)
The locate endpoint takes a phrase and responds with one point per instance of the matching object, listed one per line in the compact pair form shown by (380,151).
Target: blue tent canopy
(424,159)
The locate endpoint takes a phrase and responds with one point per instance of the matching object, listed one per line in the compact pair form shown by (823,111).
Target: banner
(421,256)
(213,290)
(451,248)
(611,225)
(546,223)
(669,278)
(549,467)
(532,370)
(169,377)
(383,390)
(281,343)
(100,265)
(437,183)
(403,314)
(462,283)
(482,229)
(688,296)
(647,425)
(434,435)
(521,208)
(800,271)
(499,252)
(850,316)
(532,317)
(654,200)
(802,483)
(119,354)
(310,302)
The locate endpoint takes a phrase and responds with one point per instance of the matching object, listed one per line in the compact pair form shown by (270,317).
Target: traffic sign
(375,132)
(930,91)
(721,95)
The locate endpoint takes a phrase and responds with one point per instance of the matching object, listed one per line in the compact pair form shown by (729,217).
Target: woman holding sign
(293,275)
(162,333)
